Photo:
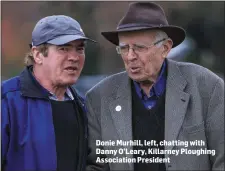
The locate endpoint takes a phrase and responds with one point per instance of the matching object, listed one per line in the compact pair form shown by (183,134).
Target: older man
(43,122)
(159,114)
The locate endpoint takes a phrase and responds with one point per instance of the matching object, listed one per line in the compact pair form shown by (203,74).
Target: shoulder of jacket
(195,70)
(109,80)
(10,85)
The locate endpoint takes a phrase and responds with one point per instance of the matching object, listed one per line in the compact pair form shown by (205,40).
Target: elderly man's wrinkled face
(64,63)
(142,59)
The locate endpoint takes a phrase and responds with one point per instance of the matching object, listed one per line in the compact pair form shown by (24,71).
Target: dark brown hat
(145,16)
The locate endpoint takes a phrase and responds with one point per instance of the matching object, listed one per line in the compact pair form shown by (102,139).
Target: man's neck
(146,86)
(58,91)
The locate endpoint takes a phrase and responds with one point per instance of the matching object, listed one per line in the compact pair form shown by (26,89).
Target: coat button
(118,108)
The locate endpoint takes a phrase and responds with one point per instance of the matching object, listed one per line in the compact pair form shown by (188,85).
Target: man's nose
(131,55)
(73,55)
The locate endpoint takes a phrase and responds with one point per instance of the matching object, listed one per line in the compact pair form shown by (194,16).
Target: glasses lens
(118,49)
(122,49)
(140,48)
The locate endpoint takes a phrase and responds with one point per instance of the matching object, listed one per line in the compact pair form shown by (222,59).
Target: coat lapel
(176,102)
(120,108)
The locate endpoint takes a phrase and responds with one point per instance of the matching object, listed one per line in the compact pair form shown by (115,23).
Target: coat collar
(176,101)
(29,85)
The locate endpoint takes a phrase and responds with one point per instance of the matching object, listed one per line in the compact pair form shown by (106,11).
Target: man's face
(64,63)
(141,65)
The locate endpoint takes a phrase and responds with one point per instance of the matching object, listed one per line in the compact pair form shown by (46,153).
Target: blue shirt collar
(68,95)
(157,89)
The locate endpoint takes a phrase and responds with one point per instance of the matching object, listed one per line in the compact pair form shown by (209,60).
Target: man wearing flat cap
(159,114)
(43,121)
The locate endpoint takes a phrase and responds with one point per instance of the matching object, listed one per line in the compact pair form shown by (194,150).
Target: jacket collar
(29,85)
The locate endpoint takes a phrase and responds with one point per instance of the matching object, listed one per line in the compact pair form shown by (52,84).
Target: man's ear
(38,56)
(167,46)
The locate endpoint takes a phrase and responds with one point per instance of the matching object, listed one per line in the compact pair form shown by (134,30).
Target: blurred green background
(203,21)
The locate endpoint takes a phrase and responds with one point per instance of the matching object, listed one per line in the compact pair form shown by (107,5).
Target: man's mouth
(71,69)
(135,69)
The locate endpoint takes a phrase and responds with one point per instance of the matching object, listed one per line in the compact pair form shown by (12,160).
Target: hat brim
(177,34)
(61,40)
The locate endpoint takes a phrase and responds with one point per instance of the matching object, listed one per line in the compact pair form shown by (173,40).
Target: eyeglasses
(137,48)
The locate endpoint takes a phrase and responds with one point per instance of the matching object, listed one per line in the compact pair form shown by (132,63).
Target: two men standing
(44,124)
